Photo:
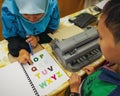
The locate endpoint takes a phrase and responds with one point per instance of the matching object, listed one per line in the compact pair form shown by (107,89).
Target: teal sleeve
(9,23)
(55,18)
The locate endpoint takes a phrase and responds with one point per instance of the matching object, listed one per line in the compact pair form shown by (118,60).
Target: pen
(31,50)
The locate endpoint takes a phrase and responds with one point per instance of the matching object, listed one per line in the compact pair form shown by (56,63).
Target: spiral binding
(31,83)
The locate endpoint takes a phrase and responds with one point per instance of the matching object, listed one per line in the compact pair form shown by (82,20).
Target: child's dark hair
(112,12)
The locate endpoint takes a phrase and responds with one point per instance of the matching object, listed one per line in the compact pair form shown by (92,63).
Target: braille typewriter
(78,51)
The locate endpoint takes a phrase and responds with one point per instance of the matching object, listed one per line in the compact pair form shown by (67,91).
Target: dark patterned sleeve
(15,44)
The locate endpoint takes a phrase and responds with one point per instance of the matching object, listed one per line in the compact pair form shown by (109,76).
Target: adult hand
(89,69)
(75,81)
(24,57)
(33,40)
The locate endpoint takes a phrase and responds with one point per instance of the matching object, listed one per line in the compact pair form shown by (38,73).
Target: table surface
(65,27)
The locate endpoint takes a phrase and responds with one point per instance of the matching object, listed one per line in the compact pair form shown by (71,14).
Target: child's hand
(33,40)
(24,57)
(89,69)
(75,81)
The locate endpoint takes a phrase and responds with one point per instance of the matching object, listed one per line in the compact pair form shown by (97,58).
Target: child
(106,80)
(27,23)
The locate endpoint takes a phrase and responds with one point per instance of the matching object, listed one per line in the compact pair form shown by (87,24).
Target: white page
(13,81)
(65,32)
(46,68)
(101,4)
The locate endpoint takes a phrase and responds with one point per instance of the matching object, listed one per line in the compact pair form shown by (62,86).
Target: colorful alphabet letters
(45,73)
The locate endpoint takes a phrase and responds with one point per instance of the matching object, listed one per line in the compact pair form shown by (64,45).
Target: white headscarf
(31,6)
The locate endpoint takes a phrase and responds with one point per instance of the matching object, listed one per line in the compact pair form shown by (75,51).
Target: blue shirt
(103,82)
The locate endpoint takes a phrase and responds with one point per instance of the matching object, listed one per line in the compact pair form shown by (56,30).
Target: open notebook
(39,79)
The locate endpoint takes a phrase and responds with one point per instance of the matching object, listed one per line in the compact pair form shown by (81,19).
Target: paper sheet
(13,81)
(45,73)
(101,4)
(65,32)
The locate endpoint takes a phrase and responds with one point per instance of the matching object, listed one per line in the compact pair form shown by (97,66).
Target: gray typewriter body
(79,50)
